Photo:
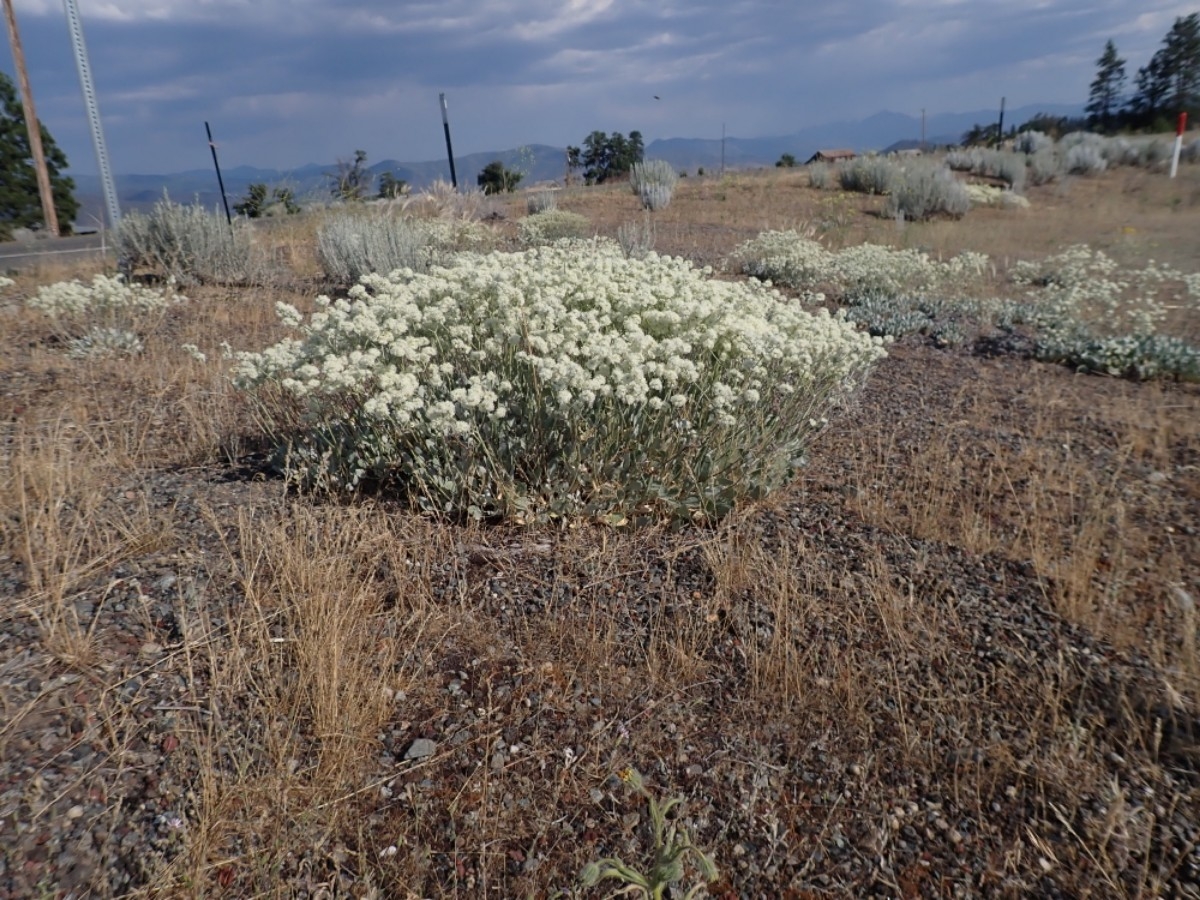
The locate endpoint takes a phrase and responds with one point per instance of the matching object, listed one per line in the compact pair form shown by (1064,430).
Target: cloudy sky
(289,82)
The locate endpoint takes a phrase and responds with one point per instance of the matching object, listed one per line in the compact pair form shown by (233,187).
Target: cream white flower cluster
(6,283)
(1083,287)
(788,258)
(567,359)
(104,295)
(109,303)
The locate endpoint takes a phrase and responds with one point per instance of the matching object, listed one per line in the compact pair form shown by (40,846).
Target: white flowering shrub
(353,244)
(565,380)
(790,259)
(189,244)
(99,313)
(1098,316)
(6,283)
(1119,151)
(104,342)
(1155,154)
(552,225)
(1191,152)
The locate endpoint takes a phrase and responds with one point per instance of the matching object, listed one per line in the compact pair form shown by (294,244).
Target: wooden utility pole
(31,123)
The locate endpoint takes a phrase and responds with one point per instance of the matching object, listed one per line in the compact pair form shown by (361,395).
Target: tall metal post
(220,181)
(449,149)
(32,126)
(93,112)
(1000,126)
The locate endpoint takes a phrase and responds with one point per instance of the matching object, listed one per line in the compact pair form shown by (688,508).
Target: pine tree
(20,204)
(1182,50)
(1106,88)
(1170,82)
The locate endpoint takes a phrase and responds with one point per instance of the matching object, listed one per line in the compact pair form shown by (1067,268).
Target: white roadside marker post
(1179,130)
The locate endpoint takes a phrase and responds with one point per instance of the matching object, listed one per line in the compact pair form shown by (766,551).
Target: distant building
(831,156)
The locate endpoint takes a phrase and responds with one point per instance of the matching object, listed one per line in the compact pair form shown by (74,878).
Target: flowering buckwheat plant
(95,313)
(1098,316)
(788,258)
(564,380)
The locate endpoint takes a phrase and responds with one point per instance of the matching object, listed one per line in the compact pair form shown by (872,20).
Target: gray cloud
(285,83)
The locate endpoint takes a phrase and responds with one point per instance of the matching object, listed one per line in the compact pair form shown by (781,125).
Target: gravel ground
(953,737)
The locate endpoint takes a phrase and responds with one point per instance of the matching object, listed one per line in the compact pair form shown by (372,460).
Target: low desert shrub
(922,192)
(552,225)
(866,270)
(106,317)
(637,238)
(1093,314)
(352,244)
(1191,152)
(541,201)
(1007,166)
(1155,154)
(1031,142)
(1085,159)
(868,174)
(654,183)
(1045,166)
(562,381)
(189,244)
(820,175)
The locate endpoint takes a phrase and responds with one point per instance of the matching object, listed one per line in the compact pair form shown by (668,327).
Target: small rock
(75,812)
(150,648)
(420,748)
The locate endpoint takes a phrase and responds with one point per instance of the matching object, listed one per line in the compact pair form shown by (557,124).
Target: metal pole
(220,181)
(93,112)
(1000,127)
(722,149)
(32,126)
(922,129)
(449,149)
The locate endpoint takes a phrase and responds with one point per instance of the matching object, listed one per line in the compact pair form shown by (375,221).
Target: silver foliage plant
(563,381)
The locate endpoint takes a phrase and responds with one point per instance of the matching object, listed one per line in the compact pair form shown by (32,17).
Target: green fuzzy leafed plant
(672,847)
(562,381)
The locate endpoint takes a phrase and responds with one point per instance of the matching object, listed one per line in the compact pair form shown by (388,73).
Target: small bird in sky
(656,97)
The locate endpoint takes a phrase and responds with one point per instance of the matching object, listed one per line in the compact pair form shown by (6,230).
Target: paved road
(16,255)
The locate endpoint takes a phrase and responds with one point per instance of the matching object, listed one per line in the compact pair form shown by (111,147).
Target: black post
(1000,127)
(220,180)
(449,149)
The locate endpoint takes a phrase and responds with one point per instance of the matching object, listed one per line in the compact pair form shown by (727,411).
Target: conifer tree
(20,203)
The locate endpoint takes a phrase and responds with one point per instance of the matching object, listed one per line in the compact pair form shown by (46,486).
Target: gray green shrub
(1030,142)
(190,244)
(552,225)
(1085,159)
(922,192)
(820,175)
(357,243)
(1045,166)
(654,183)
(541,201)
(868,174)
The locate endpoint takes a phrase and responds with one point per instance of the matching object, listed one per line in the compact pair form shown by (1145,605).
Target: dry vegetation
(957,658)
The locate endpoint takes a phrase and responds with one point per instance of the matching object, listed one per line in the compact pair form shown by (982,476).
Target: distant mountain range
(543,163)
